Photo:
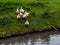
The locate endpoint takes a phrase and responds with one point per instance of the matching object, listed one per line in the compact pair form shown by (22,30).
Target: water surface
(46,38)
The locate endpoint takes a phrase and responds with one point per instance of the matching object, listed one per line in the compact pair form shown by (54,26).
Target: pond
(45,38)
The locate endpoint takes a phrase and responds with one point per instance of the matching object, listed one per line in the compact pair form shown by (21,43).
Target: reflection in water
(46,38)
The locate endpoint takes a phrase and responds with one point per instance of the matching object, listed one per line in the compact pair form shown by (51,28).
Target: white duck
(18,16)
(24,16)
(22,10)
(26,13)
(27,23)
(17,11)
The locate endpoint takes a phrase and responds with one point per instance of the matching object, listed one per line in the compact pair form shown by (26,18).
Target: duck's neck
(21,7)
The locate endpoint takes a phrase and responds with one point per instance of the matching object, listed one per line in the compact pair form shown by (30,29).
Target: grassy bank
(43,14)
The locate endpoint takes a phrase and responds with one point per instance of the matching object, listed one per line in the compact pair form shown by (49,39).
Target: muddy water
(46,38)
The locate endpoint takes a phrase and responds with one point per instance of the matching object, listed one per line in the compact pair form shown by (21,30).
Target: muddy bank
(30,32)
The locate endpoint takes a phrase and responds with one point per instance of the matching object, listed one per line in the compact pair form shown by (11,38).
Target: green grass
(38,19)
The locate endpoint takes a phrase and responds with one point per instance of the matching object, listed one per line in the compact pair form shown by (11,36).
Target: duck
(17,11)
(22,10)
(18,16)
(24,16)
(27,23)
(26,13)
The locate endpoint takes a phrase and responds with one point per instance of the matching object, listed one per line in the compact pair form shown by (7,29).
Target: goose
(27,23)
(22,10)
(18,16)
(17,11)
